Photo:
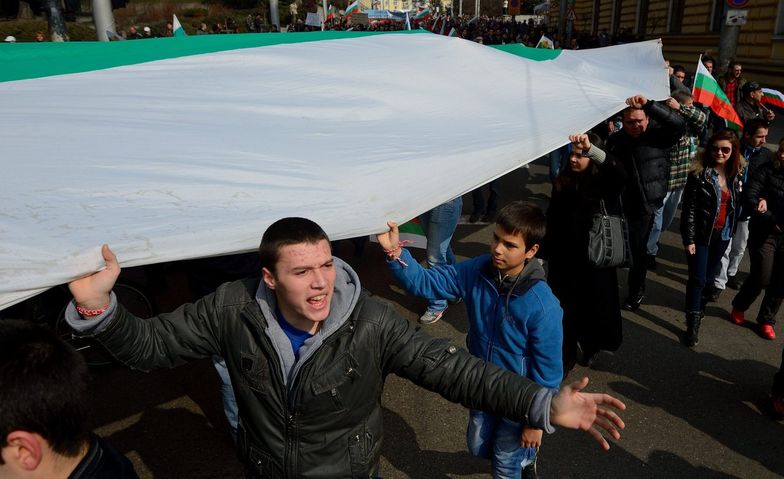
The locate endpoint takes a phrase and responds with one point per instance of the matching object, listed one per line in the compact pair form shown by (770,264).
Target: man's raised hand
(636,101)
(92,292)
(574,409)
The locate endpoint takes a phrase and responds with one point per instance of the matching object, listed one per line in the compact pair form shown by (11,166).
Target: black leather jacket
(766,182)
(646,159)
(701,206)
(325,420)
(103,461)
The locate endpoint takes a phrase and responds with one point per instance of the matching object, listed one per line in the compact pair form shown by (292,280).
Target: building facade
(689,28)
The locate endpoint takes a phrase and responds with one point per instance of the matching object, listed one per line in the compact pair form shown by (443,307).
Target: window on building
(675,16)
(642,17)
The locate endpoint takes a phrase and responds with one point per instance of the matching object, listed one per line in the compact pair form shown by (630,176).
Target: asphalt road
(691,412)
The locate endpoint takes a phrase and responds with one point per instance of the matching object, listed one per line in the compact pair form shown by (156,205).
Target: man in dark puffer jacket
(643,147)
(308,352)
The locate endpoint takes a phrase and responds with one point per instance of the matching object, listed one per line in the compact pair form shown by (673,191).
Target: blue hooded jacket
(518,328)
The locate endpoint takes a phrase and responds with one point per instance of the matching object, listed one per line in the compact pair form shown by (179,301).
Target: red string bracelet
(391,252)
(91,312)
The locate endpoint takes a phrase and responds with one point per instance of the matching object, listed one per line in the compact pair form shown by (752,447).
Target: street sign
(737,17)
(570,15)
(737,3)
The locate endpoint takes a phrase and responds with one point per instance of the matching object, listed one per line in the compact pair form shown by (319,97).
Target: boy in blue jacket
(514,322)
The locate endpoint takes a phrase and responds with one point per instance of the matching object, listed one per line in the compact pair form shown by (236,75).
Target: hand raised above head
(574,409)
(92,292)
(580,140)
(636,101)
(389,240)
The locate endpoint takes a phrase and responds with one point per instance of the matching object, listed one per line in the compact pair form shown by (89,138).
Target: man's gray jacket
(319,416)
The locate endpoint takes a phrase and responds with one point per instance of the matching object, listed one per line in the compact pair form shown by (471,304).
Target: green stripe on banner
(537,54)
(413,227)
(21,61)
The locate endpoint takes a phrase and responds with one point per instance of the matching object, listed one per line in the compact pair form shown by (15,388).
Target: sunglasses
(724,149)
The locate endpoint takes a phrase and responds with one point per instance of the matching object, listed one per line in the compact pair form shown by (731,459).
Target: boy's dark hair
(751,126)
(524,218)
(284,232)
(43,387)
(678,68)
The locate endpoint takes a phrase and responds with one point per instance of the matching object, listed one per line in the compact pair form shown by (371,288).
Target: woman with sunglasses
(764,196)
(708,220)
(588,295)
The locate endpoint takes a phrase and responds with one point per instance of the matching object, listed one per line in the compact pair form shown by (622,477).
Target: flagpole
(103,18)
(324,20)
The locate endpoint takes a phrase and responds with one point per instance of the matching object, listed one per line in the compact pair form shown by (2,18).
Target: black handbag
(608,240)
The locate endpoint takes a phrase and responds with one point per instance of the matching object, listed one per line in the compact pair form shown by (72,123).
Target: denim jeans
(439,225)
(498,439)
(733,256)
(227,395)
(662,219)
(704,264)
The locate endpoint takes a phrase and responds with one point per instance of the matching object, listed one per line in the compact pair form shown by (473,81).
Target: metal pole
(461,8)
(56,21)
(103,19)
(728,43)
(274,16)
(562,19)
(324,20)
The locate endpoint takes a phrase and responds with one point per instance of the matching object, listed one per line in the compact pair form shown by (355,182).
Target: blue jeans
(734,254)
(498,438)
(227,395)
(704,265)
(439,225)
(662,219)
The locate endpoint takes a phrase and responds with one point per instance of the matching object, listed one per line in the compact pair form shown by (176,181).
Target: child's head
(519,229)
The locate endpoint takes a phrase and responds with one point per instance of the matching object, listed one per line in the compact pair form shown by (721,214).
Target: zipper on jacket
(491,337)
(293,398)
(290,453)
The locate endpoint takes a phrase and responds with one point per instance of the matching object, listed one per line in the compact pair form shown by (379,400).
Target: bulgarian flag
(435,24)
(177,27)
(331,12)
(423,15)
(773,98)
(352,8)
(138,200)
(708,92)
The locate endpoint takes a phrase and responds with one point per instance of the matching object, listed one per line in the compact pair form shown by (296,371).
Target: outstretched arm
(574,409)
(440,282)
